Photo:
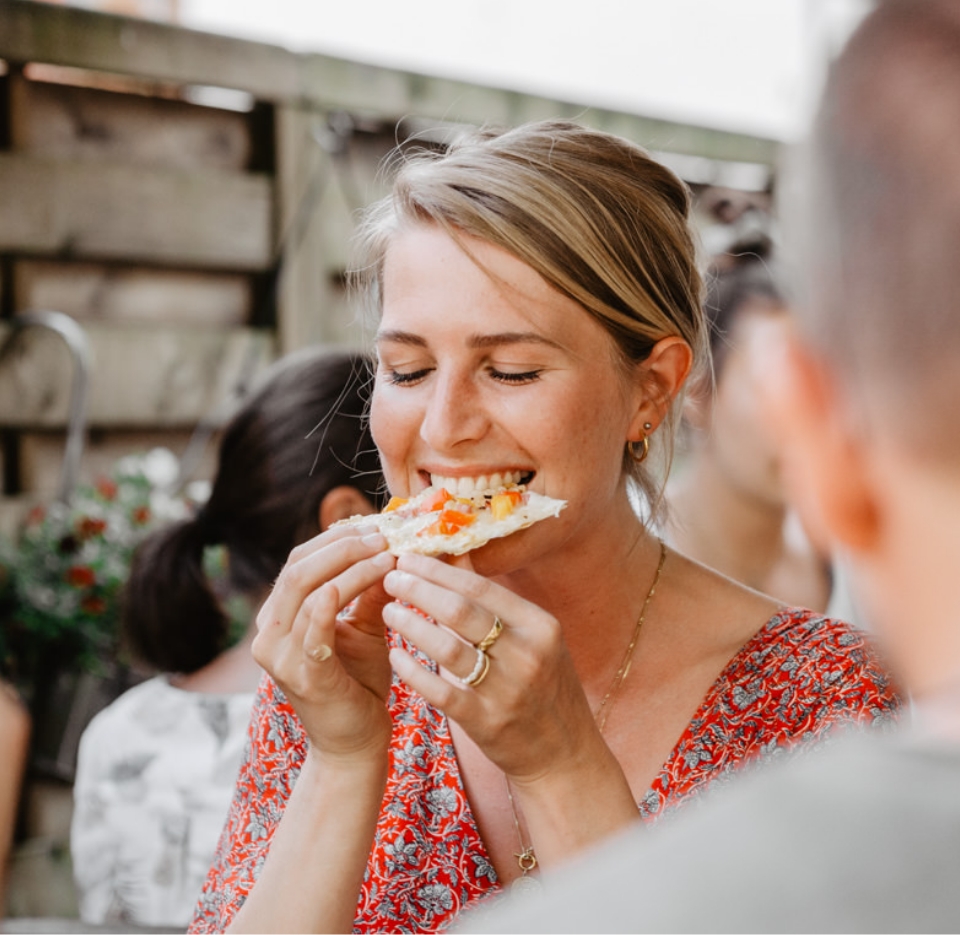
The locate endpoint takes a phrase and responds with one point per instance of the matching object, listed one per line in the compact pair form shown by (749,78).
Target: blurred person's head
(744,301)
(296,457)
(881,236)
(866,398)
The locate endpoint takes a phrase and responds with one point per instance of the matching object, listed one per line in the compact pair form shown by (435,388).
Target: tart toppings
(440,522)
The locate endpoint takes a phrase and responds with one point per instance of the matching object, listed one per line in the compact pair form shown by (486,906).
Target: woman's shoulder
(816,634)
(819,658)
(126,706)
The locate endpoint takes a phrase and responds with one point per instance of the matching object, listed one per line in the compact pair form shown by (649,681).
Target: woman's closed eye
(412,377)
(509,376)
(407,377)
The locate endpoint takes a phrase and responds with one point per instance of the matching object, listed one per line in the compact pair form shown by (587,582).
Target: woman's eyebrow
(510,337)
(400,337)
(474,341)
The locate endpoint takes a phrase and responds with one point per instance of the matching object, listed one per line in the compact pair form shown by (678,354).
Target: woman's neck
(594,588)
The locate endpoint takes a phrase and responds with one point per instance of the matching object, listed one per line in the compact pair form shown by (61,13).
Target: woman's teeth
(485,483)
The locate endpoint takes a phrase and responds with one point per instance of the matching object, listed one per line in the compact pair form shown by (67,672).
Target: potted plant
(61,582)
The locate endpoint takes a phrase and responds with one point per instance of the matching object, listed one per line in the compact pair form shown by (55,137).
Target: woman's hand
(321,637)
(529,714)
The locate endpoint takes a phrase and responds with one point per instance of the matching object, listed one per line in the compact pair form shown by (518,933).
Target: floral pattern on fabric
(801,675)
(156,773)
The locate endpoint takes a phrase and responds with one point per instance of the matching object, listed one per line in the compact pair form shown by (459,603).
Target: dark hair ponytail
(300,435)
(172,618)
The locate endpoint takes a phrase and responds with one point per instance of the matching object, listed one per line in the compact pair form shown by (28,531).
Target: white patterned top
(155,774)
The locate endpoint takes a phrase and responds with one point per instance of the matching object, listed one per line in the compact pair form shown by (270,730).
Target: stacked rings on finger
(492,636)
(479,672)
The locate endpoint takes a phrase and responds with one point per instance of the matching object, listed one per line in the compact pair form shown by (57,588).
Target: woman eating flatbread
(434,728)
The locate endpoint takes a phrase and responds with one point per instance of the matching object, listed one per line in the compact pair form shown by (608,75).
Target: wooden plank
(66,122)
(31,31)
(150,376)
(390,94)
(114,211)
(90,292)
(43,456)
(66,35)
(320,194)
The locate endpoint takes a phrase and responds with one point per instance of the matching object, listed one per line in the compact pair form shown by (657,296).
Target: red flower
(88,526)
(81,576)
(107,488)
(36,515)
(93,605)
(141,515)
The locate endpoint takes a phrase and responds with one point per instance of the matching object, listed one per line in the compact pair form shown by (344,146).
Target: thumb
(461,561)
(366,612)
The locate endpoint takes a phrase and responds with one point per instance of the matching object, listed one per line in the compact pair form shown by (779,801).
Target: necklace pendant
(527,884)
(527,860)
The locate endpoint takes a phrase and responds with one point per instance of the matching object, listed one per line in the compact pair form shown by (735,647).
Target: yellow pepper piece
(502,504)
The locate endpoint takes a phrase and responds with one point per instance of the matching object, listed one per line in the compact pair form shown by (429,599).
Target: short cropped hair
(881,244)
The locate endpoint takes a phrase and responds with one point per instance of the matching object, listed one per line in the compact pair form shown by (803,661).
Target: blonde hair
(593,214)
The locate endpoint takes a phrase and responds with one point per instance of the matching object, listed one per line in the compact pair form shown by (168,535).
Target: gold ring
(320,653)
(492,636)
(479,672)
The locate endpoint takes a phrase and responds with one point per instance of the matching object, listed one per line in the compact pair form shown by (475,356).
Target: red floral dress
(798,677)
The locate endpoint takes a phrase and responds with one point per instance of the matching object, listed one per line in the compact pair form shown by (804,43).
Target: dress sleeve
(275,752)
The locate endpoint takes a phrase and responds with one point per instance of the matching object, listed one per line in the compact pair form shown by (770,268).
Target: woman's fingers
(314,617)
(457,598)
(504,675)
(452,653)
(317,562)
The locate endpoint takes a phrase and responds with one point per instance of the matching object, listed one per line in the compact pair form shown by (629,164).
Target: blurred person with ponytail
(157,768)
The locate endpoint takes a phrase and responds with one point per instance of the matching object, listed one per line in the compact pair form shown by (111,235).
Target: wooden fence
(188,199)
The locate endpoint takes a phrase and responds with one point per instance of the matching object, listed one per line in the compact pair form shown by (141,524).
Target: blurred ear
(662,376)
(826,462)
(341,503)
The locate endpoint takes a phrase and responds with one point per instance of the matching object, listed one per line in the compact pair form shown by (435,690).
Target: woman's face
(739,438)
(487,372)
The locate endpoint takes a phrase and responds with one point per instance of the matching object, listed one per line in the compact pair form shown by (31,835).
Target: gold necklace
(527,858)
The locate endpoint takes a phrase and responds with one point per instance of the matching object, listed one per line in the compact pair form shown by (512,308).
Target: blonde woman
(433,730)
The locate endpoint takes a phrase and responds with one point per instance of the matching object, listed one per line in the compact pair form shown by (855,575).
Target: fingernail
(384,559)
(375,540)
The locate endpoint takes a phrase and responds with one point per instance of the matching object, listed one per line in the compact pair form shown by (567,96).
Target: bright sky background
(745,65)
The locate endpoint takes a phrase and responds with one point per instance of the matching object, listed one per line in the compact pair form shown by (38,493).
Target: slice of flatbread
(432,524)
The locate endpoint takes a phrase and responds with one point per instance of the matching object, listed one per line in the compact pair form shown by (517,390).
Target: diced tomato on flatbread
(435,501)
(448,523)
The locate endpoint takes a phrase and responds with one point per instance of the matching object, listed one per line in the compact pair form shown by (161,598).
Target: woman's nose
(454,414)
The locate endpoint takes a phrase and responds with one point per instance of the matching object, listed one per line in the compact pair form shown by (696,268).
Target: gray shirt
(861,837)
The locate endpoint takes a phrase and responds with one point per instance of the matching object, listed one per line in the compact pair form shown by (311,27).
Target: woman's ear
(341,503)
(826,461)
(660,378)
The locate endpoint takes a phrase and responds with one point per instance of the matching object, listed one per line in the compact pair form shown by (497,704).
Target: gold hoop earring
(644,444)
